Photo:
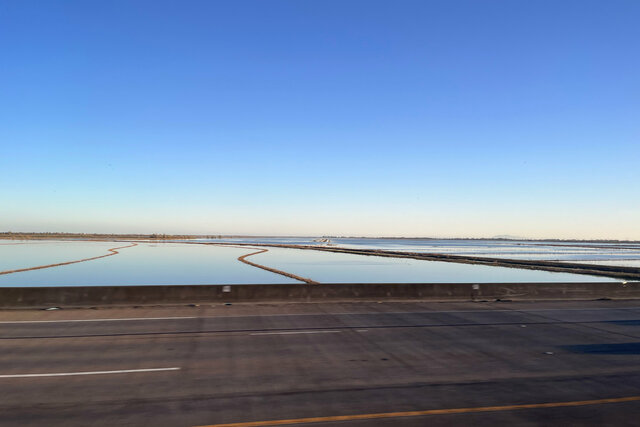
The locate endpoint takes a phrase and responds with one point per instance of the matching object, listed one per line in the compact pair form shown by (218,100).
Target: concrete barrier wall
(141,295)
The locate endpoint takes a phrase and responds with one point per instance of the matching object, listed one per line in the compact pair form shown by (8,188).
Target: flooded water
(182,264)
(145,264)
(550,251)
(512,249)
(622,263)
(24,254)
(328,267)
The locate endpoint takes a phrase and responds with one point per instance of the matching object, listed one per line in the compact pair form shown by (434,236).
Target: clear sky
(381,118)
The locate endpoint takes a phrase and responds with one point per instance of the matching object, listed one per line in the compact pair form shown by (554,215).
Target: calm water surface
(622,263)
(513,249)
(549,251)
(145,264)
(182,264)
(327,267)
(24,254)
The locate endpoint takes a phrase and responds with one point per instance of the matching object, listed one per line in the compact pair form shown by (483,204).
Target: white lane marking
(124,319)
(67,374)
(295,332)
(362,330)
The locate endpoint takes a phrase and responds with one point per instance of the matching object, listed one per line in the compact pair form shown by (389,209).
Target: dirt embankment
(273,270)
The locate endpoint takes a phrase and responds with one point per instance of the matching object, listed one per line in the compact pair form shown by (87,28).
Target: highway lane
(320,360)
(22,329)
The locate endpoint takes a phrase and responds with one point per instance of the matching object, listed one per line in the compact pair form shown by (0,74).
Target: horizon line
(165,236)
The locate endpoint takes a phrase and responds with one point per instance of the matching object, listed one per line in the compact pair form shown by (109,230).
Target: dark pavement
(260,362)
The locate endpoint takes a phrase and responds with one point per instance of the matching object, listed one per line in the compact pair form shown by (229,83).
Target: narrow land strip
(243,259)
(114,251)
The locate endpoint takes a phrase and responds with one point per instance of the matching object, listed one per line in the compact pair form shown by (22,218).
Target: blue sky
(396,118)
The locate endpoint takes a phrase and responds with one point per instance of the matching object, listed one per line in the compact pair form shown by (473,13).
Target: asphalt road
(409,362)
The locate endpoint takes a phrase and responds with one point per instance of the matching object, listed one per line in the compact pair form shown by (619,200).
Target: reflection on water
(181,264)
(329,267)
(29,253)
(513,249)
(619,263)
(145,264)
